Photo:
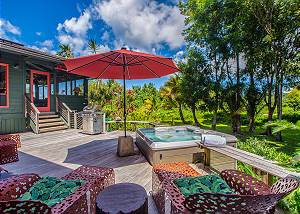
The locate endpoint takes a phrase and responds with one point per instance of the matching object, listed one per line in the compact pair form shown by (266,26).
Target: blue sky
(142,25)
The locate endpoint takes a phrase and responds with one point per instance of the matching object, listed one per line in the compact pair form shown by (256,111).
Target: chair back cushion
(285,185)
(208,183)
(51,190)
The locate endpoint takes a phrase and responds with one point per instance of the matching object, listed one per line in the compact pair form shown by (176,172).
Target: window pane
(28,82)
(69,88)
(52,84)
(78,90)
(62,88)
(3,86)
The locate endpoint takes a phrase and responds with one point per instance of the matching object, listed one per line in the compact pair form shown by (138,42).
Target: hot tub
(176,143)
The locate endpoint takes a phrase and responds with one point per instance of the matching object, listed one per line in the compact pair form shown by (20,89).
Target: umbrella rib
(100,59)
(149,69)
(132,60)
(107,66)
(126,66)
(148,58)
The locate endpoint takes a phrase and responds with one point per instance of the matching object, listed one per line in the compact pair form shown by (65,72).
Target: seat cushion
(51,190)
(208,183)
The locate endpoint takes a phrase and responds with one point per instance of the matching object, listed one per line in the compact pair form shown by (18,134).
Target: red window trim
(7,85)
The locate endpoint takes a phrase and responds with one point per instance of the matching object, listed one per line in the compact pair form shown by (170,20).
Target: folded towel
(213,140)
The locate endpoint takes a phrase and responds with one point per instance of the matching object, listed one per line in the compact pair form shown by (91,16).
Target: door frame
(41,109)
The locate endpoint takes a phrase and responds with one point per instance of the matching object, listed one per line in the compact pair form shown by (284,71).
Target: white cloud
(38,33)
(77,26)
(179,57)
(105,36)
(142,24)
(45,46)
(7,29)
(73,32)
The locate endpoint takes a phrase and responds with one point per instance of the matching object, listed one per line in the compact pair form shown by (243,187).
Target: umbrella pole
(124,94)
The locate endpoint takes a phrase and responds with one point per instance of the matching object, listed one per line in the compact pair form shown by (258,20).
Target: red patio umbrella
(121,64)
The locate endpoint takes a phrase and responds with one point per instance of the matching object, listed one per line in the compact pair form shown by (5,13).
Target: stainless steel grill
(93,121)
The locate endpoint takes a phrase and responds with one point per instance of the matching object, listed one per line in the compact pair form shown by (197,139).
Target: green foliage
(265,149)
(281,125)
(93,46)
(291,116)
(65,51)
(291,203)
(293,99)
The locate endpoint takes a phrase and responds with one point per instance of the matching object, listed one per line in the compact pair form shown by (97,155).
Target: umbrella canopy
(121,64)
(110,65)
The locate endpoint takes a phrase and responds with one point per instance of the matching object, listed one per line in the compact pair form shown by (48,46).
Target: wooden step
(47,113)
(52,129)
(52,124)
(51,120)
(48,116)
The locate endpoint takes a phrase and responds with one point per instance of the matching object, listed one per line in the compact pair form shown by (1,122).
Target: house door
(40,90)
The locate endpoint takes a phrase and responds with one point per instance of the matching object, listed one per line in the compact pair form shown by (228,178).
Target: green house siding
(74,102)
(12,119)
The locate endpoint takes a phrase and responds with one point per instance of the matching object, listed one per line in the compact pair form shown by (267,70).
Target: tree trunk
(279,106)
(251,103)
(271,108)
(270,119)
(236,125)
(181,113)
(194,115)
(214,122)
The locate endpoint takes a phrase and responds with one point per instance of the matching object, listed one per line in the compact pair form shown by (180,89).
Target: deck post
(69,119)
(75,120)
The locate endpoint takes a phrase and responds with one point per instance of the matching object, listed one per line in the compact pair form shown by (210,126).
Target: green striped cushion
(208,183)
(51,190)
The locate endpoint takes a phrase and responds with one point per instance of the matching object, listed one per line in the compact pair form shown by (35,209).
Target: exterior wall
(74,102)
(12,119)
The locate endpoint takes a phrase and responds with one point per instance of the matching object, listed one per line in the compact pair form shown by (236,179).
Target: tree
(278,22)
(171,91)
(93,46)
(65,51)
(195,84)
(293,99)
(213,27)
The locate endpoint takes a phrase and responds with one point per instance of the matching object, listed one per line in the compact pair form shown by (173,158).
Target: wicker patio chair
(253,196)
(9,145)
(83,200)
(167,197)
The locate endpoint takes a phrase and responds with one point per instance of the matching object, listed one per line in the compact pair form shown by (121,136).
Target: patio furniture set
(176,188)
(9,145)
(246,194)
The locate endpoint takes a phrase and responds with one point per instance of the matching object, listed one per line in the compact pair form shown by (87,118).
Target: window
(67,86)
(4,89)
(78,87)
(28,82)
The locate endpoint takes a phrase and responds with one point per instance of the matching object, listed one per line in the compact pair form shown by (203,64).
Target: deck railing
(65,112)
(77,121)
(133,125)
(32,113)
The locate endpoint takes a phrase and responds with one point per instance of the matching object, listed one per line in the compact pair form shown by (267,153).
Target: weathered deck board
(57,153)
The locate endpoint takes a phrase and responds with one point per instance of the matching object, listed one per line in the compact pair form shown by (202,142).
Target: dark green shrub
(292,117)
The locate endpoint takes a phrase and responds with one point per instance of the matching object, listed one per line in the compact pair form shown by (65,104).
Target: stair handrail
(32,113)
(64,111)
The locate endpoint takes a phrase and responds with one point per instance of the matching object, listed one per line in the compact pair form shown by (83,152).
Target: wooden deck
(57,153)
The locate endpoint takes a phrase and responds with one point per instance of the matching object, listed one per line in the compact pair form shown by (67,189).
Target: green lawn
(290,144)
